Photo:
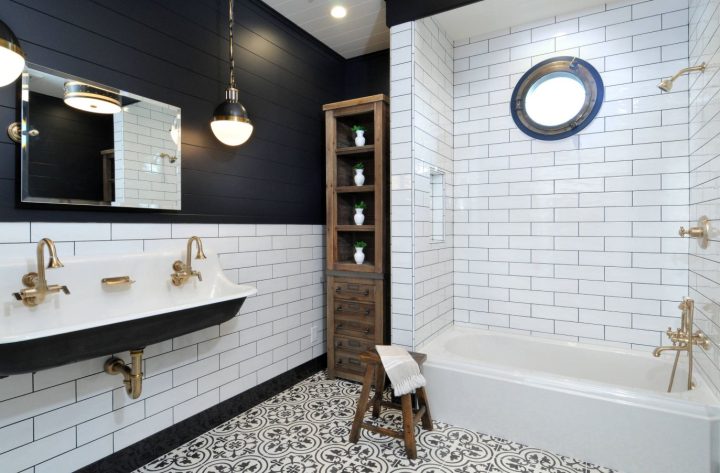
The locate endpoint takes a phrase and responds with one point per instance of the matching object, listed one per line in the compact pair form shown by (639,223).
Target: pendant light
(230,122)
(12,57)
(90,98)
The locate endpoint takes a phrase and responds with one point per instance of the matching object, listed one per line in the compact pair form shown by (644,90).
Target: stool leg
(408,427)
(362,404)
(422,400)
(379,389)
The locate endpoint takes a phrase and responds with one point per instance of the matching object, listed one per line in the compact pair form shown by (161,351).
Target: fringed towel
(403,371)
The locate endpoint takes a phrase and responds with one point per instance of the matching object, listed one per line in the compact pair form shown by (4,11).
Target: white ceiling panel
(493,15)
(362,31)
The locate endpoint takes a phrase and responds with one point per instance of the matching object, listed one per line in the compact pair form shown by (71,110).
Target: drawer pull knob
(338,309)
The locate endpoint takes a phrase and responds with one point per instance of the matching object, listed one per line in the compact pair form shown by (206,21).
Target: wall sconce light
(667,84)
(90,98)
(12,57)
(231,124)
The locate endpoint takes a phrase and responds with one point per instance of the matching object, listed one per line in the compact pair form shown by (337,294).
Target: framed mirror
(84,143)
(557,98)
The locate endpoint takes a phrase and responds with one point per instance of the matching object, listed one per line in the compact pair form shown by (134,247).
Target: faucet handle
(198,274)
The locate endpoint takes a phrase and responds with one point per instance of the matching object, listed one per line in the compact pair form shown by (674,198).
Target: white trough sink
(96,319)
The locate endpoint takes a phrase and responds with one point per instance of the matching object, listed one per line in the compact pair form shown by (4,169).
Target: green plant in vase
(359,217)
(359,131)
(359,254)
(359,177)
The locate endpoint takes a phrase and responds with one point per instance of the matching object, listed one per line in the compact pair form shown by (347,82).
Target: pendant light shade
(12,57)
(90,98)
(231,124)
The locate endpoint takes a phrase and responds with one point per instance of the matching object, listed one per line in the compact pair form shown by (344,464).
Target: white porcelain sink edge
(91,304)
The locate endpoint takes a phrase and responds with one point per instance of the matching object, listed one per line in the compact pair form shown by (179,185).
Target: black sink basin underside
(48,352)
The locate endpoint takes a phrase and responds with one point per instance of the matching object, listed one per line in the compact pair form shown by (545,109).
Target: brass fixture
(170,157)
(36,286)
(132,376)
(14,131)
(701,232)
(184,271)
(117,281)
(684,339)
(667,84)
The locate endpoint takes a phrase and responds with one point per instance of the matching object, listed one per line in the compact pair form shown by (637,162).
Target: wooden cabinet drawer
(349,361)
(354,291)
(354,310)
(355,345)
(354,329)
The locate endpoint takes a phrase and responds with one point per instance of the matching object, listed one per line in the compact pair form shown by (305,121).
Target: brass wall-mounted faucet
(684,339)
(184,271)
(36,286)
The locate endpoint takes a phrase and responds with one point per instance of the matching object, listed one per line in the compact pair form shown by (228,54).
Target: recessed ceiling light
(338,11)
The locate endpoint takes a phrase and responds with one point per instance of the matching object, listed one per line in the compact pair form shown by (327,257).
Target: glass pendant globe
(231,132)
(11,66)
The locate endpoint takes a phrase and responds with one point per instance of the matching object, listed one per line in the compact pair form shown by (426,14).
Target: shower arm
(700,68)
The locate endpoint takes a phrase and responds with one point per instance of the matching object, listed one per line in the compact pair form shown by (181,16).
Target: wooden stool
(410,416)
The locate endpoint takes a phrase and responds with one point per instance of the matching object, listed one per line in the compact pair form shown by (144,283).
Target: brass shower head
(666,84)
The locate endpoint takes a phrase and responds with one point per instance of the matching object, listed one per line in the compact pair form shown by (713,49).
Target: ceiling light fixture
(90,98)
(338,11)
(12,57)
(231,124)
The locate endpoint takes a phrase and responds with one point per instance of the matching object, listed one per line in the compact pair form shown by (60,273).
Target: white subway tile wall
(421,145)
(704,177)
(63,418)
(576,238)
(144,147)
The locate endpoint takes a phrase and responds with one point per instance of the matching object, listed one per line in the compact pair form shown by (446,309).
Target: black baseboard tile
(140,453)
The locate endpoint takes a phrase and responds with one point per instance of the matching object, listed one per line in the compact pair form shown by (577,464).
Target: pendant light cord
(232,60)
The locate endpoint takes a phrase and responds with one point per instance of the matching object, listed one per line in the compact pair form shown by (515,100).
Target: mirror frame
(25,133)
(594,95)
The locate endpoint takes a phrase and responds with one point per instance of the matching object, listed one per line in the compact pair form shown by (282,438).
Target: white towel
(403,371)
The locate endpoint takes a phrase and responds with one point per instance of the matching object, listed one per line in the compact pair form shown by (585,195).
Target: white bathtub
(603,405)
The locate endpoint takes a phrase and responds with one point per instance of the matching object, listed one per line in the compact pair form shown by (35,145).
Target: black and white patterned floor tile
(305,429)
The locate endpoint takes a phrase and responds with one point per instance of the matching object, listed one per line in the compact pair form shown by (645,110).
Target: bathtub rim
(639,397)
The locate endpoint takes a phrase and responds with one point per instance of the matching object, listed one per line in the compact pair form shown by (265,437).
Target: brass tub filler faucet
(184,271)
(36,286)
(683,340)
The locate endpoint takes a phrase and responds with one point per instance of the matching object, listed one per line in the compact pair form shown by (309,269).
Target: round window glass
(557,98)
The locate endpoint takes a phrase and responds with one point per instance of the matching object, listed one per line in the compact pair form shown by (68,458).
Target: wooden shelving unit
(357,294)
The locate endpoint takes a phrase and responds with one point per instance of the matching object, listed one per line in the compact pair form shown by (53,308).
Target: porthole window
(557,98)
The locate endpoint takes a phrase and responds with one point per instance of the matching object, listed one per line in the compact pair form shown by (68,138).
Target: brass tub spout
(132,376)
(683,340)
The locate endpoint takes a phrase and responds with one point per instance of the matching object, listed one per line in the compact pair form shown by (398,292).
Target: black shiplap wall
(175,52)
(368,74)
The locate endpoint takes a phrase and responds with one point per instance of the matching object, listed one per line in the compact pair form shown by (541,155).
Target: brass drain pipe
(132,376)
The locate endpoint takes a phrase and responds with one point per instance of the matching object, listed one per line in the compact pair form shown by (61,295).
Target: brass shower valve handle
(701,232)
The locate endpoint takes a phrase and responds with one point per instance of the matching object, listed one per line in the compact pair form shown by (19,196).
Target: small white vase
(359,177)
(360,138)
(359,256)
(359,217)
